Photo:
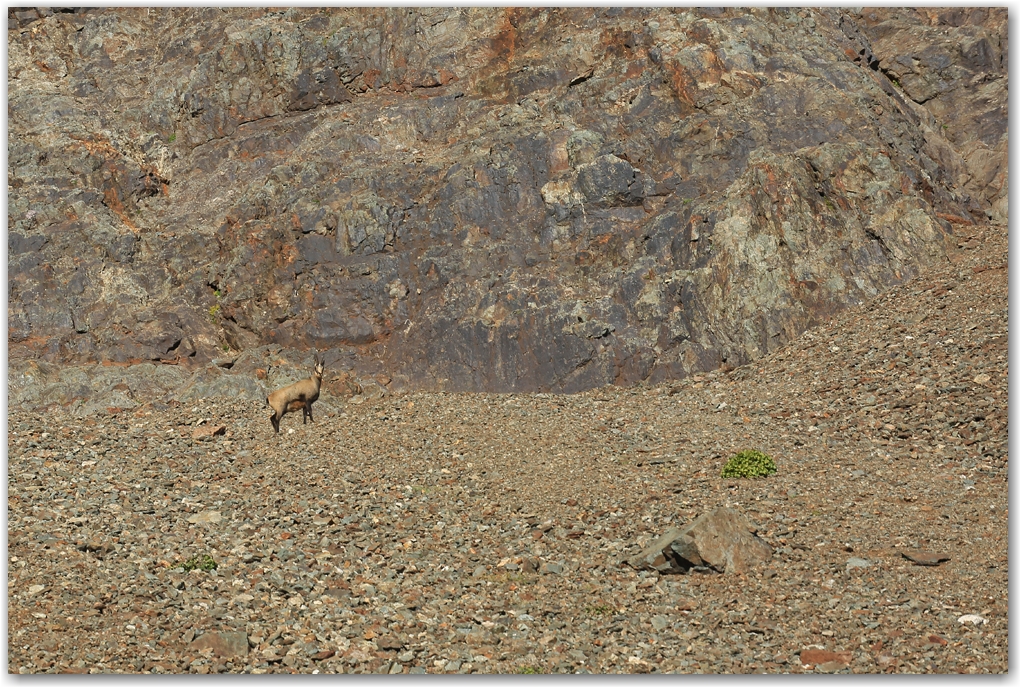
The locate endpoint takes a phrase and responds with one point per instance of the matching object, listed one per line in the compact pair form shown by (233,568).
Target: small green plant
(528,670)
(602,609)
(204,562)
(173,137)
(750,463)
(213,311)
(226,347)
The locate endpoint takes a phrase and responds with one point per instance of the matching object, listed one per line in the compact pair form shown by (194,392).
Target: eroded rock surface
(481,198)
(722,539)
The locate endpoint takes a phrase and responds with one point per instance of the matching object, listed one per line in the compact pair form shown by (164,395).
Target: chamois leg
(308,409)
(275,419)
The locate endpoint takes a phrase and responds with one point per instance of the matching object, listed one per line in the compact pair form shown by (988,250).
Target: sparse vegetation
(529,670)
(750,463)
(204,562)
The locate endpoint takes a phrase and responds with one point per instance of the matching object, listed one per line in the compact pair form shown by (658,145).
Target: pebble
(972,619)
(925,557)
(210,516)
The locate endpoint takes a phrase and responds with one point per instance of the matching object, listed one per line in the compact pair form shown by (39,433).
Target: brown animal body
(298,396)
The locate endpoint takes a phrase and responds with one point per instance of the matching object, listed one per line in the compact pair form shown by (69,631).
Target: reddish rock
(829,666)
(728,541)
(206,432)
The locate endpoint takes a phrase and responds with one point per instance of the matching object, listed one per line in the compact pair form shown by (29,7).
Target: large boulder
(213,382)
(721,539)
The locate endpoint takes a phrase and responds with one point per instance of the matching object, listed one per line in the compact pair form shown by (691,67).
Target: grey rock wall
(483,198)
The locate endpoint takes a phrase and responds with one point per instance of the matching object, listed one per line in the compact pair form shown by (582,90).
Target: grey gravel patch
(357,528)
(856,562)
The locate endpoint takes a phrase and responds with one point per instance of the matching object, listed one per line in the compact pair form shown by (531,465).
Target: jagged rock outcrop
(484,198)
(722,539)
(951,64)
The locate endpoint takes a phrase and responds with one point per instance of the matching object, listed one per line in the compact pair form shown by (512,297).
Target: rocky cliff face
(483,199)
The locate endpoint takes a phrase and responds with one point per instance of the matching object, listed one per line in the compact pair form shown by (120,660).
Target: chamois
(298,395)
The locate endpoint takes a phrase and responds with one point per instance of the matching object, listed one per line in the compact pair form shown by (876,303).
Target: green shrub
(749,464)
(203,562)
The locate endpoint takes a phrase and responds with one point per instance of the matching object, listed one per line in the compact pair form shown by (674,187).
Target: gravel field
(484,533)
